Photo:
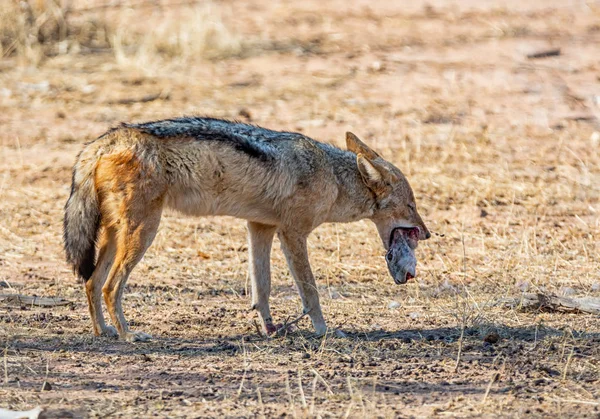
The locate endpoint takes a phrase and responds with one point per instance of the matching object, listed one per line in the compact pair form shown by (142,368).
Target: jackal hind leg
(137,229)
(260,239)
(296,253)
(93,286)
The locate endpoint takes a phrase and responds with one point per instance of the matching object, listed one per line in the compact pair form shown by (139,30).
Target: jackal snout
(395,200)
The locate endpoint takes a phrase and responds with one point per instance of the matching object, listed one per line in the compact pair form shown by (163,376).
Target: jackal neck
(355,201)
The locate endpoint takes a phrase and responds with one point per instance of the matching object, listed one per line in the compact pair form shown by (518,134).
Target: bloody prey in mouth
(400,258)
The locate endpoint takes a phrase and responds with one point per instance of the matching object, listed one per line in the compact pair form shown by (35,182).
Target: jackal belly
(198,202)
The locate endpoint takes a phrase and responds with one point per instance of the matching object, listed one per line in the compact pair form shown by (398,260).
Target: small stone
(334,294)
(88,88)
(46,386)
(394,304)
(376,66)
(492,338)
(245,113)
(567,291)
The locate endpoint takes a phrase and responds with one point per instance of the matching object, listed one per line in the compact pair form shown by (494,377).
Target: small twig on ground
(260,403)
(460,345)
(576,401)
(45,385)
(287,324)
(349,383)
(564,376)
(6,366)
(322,380)
(138,5)
(302,397)
(20,300)
(311,411)
(245,369)
(143,99)
(351,404)
(257,327)
(544,54)
(584,118)
(288,390)
(551,302)
(495,378)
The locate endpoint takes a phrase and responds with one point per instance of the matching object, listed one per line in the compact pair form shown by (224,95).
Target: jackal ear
(370,174)
(356,146)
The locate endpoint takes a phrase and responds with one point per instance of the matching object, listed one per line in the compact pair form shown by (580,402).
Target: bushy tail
(82,216)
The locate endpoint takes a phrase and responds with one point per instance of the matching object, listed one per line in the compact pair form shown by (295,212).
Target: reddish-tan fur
(123,180)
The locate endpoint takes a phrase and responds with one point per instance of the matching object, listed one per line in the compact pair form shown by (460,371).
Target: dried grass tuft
(34,30)
(182,35)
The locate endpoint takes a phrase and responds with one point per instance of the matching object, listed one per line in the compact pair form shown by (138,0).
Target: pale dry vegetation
(181,35)
(502,151)
(34,30)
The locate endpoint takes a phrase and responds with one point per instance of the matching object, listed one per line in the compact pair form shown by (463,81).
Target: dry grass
(502,153)
(34,30)
(182,35)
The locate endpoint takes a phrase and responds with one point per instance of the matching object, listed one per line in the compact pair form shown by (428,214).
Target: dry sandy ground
(503,154)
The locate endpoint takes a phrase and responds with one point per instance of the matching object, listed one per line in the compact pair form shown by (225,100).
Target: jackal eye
(411,206)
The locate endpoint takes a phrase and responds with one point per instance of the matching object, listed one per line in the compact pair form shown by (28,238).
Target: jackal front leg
(296,253)
(260,240)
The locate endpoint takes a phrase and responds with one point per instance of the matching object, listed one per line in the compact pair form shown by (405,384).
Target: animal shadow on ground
(530,333)
(480,334)
(150,365)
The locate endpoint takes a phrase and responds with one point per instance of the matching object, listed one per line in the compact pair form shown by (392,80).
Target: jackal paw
(109,332)
(136,337)
(321,329)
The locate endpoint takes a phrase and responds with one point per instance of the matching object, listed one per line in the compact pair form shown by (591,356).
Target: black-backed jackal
(280,182)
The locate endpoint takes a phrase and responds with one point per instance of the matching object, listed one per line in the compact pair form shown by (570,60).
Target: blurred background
(489,107)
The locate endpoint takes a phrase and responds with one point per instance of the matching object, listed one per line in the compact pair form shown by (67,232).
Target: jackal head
(395,201)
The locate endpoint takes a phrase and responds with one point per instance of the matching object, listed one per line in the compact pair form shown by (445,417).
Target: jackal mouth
(408,277)
(411,232)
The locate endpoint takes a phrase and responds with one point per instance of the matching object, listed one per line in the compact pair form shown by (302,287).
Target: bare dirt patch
(501,149)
